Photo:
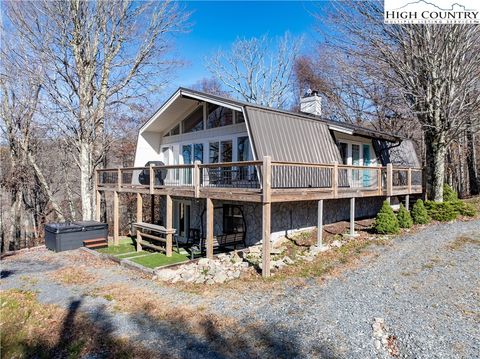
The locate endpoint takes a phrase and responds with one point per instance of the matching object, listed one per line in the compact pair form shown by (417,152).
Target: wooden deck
(240,181)
(264,181)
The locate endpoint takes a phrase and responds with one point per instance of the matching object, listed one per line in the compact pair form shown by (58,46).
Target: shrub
(404,218)
(386,222)
(464,209)
(449,195)
(441,211)
(419,213)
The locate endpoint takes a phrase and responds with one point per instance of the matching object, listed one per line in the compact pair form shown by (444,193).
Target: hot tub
(66,236)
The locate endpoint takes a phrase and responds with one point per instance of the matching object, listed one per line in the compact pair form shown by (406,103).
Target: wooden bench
(221,241)
(163,235)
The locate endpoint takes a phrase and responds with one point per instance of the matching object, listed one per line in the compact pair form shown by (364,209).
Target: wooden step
(97,245)
(87,241)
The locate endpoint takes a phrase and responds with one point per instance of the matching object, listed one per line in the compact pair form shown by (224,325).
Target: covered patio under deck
(263,182)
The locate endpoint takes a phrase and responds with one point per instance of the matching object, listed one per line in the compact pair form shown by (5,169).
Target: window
(218,116)
(187,154)
(226,151)
(232,219)
(198,152)
(220,151)
(343,147)
(366,155)
(213,152)
(355,154)
(194,122)
(175,130)
(243,149)
(239,117)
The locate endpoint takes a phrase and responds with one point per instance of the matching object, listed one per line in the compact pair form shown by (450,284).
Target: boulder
(166,274)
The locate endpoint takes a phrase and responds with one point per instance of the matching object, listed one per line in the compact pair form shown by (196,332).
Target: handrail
(249,174)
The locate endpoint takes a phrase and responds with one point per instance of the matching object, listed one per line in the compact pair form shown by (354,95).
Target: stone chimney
(311,103)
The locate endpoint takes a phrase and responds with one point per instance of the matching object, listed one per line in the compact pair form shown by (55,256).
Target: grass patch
(34,330)
(73,275)
(462,241)
(120,249)
(159,259)
(131,254)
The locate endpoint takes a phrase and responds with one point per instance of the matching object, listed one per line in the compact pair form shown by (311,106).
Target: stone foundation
(287,217)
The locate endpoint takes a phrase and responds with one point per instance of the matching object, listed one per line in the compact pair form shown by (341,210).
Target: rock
(203,261)
(308,258)
(377,344)
(236,274)
(288,260)
(276,250)
(209,281)
(255,249)
(220,277)
(166,274)
(337,243)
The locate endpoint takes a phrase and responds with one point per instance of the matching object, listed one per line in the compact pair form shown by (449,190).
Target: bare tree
(434,66)
(22,177)
(210,85)
(256,70)
(96,56)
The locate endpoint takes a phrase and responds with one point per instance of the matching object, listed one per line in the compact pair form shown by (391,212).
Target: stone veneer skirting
(287,217)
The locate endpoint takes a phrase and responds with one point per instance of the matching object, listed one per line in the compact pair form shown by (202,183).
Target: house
(224,166)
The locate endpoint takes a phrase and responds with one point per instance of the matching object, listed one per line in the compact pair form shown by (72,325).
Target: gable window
(175,130)
(194,122)
(239,117)
(218,116)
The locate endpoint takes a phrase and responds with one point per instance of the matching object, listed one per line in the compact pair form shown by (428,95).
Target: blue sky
(216,24)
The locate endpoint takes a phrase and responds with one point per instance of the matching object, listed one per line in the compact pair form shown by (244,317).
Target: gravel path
(426,290)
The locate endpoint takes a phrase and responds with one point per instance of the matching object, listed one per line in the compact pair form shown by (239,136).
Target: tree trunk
(435,159)
(472,164)
(85,181)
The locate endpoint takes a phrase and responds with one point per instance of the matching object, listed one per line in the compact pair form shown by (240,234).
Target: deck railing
(246,175)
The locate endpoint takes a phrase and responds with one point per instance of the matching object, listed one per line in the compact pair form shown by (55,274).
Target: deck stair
(96,243)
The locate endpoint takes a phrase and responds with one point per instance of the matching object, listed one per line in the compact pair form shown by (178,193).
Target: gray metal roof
(358,130)
(300,137)
(285,137)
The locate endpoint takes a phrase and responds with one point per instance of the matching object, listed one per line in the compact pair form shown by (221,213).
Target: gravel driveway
(424,288)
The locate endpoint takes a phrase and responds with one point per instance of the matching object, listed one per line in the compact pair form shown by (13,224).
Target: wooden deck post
(116,226)
(409,180)
(266,214)
(209,234)
(320,224)
(335,179)
(119,179)
(407,202)
(139,219)
(352,217)
(151,173)
(169,224)
(389,179)
(152,209)
(379,181)
(196,178)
